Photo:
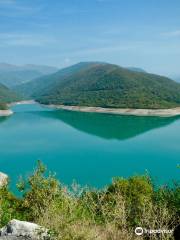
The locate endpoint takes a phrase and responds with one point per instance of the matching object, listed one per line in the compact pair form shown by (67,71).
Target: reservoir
(90,148)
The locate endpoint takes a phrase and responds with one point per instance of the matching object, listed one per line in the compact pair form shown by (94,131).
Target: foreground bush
(84,214)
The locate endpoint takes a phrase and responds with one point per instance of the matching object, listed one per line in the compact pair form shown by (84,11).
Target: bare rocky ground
(22,230)
(3,179)
(123,111)
(5,113)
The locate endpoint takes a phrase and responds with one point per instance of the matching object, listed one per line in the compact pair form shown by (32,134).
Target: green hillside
(44,84)
(104,85)
(7,96)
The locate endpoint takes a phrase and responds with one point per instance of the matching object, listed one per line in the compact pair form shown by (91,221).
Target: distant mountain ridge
(44,69)
(104,85)
(11,75)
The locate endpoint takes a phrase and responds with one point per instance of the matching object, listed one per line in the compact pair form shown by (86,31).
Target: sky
(138,33)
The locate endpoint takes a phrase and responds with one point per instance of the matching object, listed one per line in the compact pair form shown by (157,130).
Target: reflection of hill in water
(3,119)
(109,126)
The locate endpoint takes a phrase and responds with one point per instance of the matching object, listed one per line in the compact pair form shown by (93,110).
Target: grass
(78,213)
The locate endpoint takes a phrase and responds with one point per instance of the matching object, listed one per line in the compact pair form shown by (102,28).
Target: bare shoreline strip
(6,113)
(122,111)
(21,103)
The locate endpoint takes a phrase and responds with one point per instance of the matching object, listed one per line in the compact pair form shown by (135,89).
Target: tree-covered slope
(44,84)
(7,96)
(105,85)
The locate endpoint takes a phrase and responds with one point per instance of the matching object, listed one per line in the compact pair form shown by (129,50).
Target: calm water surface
(88,147)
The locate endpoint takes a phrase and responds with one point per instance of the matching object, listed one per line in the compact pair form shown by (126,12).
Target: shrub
(85,214)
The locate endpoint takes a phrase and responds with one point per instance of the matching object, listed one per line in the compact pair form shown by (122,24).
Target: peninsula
(108,88)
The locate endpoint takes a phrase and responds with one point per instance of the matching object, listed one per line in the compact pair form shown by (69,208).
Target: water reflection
(109,126)
(3,119)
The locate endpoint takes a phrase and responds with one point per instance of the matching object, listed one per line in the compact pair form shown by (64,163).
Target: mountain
(104,85)
(43,69)
(40,85)
(7,67)
(12,75)
(13,78)
(7,96)
(136,69)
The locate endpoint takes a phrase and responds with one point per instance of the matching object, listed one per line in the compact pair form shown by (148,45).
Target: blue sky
(139,33)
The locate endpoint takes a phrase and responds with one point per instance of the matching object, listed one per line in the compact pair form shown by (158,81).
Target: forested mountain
(104,85)
(43,84)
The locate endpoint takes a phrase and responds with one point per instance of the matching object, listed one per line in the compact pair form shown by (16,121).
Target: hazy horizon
(61,33)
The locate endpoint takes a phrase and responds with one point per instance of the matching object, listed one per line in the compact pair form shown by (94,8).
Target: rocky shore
(123,111)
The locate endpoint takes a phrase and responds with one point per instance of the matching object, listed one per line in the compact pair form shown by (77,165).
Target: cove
(90,148)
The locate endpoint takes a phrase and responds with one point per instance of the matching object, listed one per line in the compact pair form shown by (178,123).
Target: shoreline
(9,112)
(6,113)
(21,103)
(122,111)
(171,112)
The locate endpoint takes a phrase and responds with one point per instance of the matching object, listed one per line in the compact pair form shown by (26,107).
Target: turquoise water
(88,147)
